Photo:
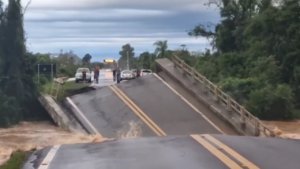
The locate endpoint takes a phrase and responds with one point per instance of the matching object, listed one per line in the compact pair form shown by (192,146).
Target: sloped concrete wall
(58,115)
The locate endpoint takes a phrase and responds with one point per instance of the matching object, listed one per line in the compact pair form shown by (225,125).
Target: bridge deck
(105,111)
(165,108)
(172,152)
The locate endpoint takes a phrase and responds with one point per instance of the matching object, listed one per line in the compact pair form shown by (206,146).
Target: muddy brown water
(36,135)
(285,129)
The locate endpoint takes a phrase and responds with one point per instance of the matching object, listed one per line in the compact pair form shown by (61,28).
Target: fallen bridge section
(165,108)
(146,106)
(172,152)
(102,112)
(217,108)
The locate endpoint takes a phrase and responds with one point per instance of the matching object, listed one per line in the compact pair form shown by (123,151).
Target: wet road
(105,79)
(173,152)
(166,109)
(145,105)
(104,111)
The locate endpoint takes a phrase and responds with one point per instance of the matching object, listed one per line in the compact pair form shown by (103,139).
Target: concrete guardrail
(232,105)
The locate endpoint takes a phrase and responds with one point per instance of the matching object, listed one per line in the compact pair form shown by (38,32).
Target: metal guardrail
(245,116)
(57,83)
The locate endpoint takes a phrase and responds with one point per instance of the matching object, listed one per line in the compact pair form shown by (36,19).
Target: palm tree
(161,48)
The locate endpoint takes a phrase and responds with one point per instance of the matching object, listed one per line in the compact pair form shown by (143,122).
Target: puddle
(289,129)
(37,135)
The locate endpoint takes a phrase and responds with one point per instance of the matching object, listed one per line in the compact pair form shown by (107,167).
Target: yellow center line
(211,148)
(244,161)
(226,160)
(137,111)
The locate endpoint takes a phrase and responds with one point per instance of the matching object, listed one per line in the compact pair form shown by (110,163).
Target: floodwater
(37,135)
(285,129)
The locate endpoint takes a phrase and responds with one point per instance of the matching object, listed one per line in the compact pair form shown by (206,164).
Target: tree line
(254,58)
(146,60)
(254,55)
(19,87)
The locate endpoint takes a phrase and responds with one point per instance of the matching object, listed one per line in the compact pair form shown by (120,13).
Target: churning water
(37,135)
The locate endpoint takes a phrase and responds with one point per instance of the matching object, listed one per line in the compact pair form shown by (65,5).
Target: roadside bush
(271,103)
(239,89)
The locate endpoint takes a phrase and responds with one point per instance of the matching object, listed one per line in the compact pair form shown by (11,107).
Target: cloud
(102,27)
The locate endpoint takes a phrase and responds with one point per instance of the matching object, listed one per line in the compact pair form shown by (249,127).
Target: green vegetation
(254,59)
(255,56)
(16,160)
(19,85)
(64,90)
(67,86)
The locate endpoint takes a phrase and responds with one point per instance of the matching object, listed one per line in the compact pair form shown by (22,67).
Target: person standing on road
(92,74)
(118,74)
(138,73)
(114,74)
(84,75)
(97,72)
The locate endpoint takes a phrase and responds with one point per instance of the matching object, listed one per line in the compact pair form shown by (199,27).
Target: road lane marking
(228,161)
(190,104)
(246,163)
(49,157)
(221,156)
(84,117)
(137,111)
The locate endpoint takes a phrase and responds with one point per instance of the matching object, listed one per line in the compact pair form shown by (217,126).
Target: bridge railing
(57,83)
(232,105)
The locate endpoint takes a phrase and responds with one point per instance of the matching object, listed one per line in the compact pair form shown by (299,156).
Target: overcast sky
(101,27)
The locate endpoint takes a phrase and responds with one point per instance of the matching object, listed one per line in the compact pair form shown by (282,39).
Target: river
(285,129)
(37,135)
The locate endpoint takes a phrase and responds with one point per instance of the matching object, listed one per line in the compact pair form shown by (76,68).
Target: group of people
(96,71)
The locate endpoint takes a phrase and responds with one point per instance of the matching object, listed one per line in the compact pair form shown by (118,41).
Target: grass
(68,85)
(16,160)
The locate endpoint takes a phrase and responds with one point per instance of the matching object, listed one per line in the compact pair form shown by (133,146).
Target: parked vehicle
(145,72)
(79,75)
(127,75)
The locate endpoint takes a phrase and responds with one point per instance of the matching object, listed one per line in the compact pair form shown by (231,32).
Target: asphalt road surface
(145,104)
(172,152)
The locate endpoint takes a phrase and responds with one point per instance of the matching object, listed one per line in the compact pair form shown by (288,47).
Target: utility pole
(127,61)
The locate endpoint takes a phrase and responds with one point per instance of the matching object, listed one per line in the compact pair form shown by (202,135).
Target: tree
(257,48)
(145,60)
(86,59)
(127,51)
(161,48)
(17,86)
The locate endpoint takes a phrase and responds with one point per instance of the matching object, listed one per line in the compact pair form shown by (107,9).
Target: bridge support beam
(243,117)
(183,68)
(174,61)
(256,127)
(216,91)
(204,84)
(229,108)
(193,76)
